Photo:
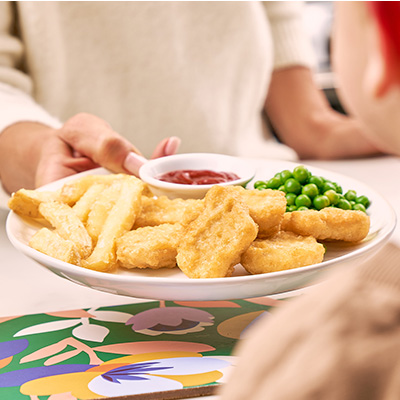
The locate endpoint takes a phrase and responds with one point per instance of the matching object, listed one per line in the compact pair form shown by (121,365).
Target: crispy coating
(328,224)
(267,208)
(26,202)
(285,250)
(50,243)
(162,210)
(150,247)
(213,243)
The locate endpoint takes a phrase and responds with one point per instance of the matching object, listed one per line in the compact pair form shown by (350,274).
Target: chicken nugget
(149,247)
(285,250)
(328,224)
(267,208)
(213,243)
(162,210)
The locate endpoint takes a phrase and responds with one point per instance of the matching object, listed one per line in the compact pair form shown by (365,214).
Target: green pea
(282,188)
(301,173)
(321,201)
(364,200)
(291,208)
(359,207)
(317,180)
(351,195)
(260,185)
(302,208)
(338,188)
(328,185)
(332,196)
(344,204)
(292,186)
(274,183)
(290,198)
(285,175)
(303,200)
(311,190)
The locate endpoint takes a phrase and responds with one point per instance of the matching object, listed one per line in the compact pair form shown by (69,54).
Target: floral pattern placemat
(122,350)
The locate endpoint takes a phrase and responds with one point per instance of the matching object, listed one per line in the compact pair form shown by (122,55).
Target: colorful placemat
(122,350)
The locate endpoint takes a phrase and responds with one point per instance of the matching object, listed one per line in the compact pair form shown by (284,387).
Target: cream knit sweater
(198,70)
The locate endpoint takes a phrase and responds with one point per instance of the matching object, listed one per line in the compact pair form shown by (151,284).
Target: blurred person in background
(341,339)
(84,84)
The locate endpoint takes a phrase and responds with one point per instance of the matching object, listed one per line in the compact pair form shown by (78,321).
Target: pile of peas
(305,191)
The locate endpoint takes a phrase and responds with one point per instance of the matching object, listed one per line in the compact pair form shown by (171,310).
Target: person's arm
(304,120)
(33,154)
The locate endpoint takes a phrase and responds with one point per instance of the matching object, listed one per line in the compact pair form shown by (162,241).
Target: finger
(167,147)
(94,138)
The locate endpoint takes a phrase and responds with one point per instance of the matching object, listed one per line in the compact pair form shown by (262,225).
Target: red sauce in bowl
(197,177)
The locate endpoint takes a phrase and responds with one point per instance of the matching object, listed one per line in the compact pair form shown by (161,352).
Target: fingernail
(133,162)
(172,145)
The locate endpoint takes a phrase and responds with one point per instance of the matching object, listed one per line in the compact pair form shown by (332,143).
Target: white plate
(167,284)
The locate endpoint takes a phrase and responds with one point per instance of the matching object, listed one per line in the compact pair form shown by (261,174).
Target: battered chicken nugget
(285,250)
(267,208)
(213,243)
(162,210)
(328,224)
(150,247)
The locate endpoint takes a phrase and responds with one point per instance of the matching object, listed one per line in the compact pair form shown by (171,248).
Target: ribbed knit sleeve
(292,45)
(16,103)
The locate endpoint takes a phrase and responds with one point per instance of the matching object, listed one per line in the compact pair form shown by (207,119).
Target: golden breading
(328,224)
(150,247)
(285,250)
(67,224)
(50,243)
(162,210)
(26,202)
(267,208)
(213,243)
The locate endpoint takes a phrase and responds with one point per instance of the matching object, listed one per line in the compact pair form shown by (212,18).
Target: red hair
(387,15)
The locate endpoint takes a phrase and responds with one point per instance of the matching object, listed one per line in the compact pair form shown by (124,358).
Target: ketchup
(197,177)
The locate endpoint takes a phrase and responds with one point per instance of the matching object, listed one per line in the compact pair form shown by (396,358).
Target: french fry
(119,221)
(26,202)
(100,210)
(71,192)
(84,205)
(67,224)
(50,243)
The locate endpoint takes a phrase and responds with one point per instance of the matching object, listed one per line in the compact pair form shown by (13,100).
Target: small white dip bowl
(193,161)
